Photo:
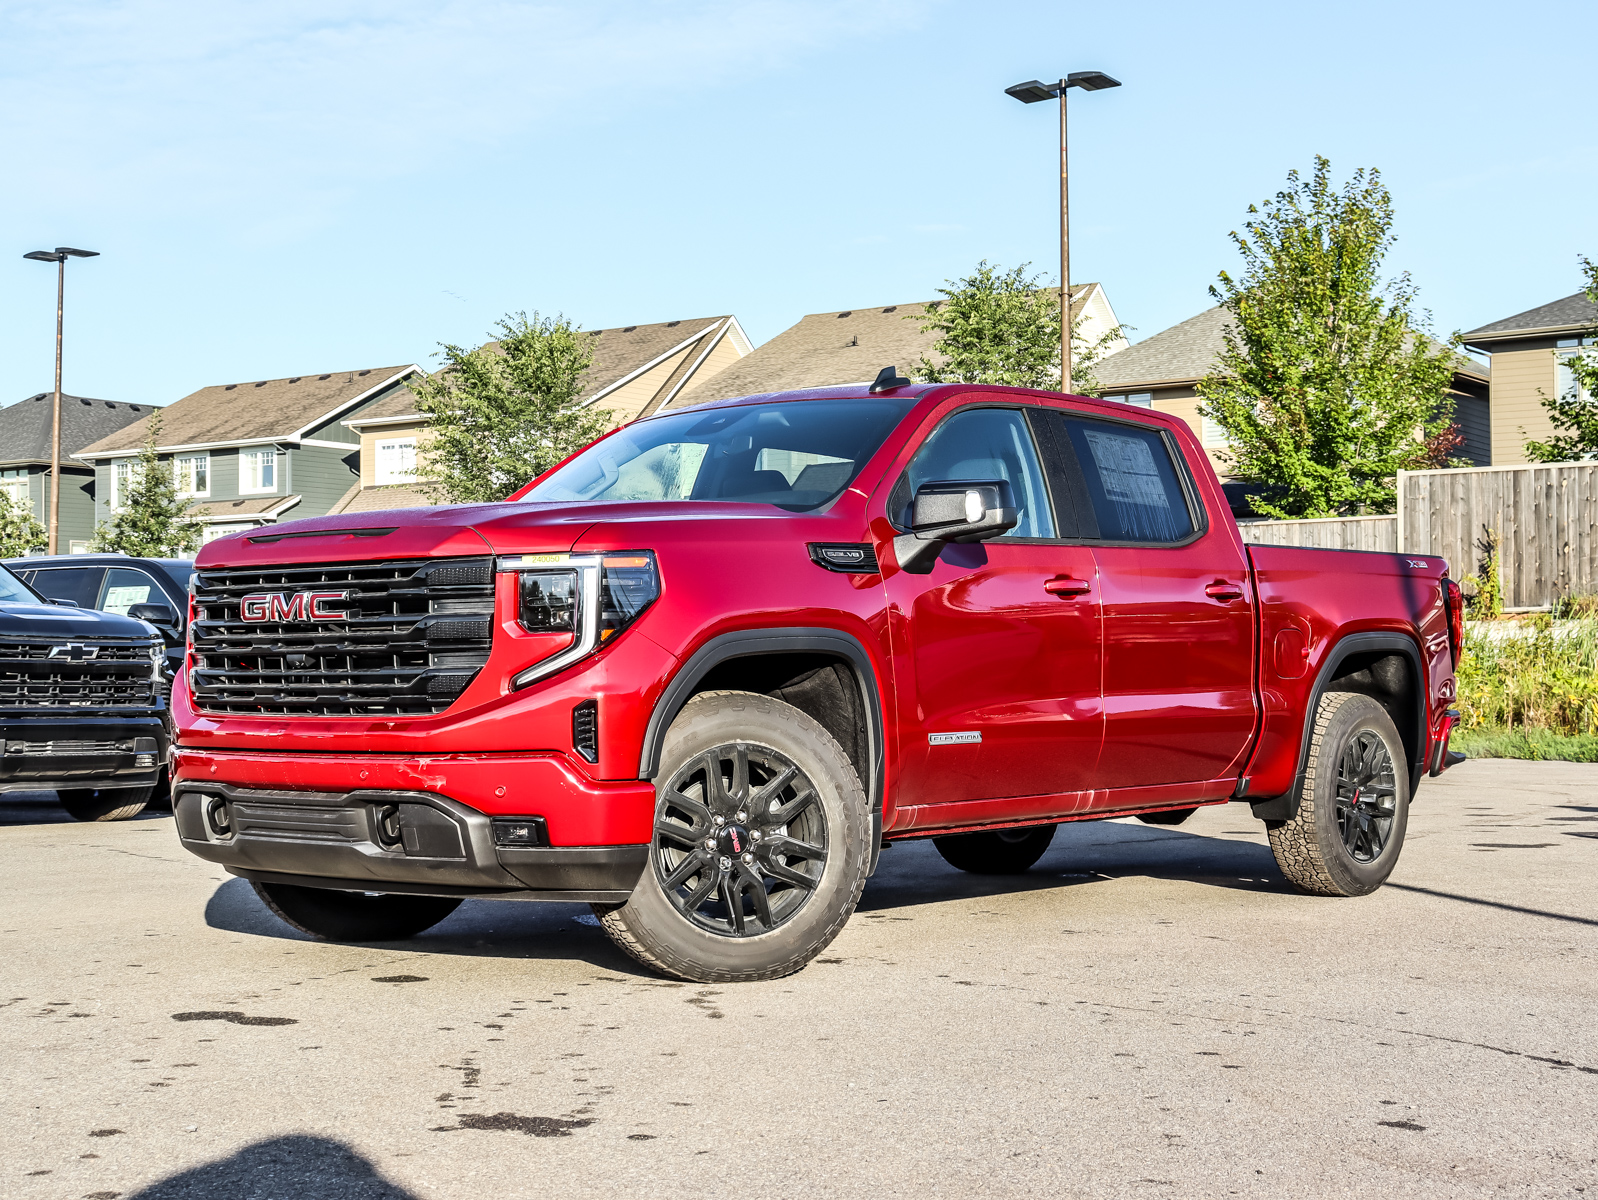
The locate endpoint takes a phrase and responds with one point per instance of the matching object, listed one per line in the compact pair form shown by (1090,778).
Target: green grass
(1537,744)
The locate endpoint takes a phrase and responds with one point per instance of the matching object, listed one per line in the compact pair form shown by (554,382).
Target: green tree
(507,411)
(152,521)
(1327,385)
(20,531)
(1574,413)
(1003,327)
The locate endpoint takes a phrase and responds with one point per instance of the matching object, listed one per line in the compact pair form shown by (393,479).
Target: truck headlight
(592,596)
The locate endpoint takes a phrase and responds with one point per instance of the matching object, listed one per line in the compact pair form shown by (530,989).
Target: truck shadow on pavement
(910,873)
(306,1168)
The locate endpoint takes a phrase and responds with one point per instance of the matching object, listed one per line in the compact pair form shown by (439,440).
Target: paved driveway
(1148,1013)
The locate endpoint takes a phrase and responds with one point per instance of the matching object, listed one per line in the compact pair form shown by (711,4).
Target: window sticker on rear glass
(1132,483)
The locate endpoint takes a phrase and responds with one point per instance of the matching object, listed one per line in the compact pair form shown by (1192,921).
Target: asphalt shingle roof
(617,353)
(1184,353)
(25,426)
(237,412)
(830,348)
(1573,312)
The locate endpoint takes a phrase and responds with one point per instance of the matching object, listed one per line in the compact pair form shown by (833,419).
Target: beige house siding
(628,401)
(370,438)
(1522,379)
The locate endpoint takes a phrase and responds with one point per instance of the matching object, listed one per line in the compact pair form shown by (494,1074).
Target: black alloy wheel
(740,840)
(1367,797)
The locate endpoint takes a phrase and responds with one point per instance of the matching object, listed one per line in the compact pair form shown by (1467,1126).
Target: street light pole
(58,256)
(1030,93)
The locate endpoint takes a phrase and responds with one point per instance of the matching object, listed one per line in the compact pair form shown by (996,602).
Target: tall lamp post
(58,256)
(1030,93)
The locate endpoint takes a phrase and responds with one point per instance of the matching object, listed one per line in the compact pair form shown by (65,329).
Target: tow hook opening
(390,835)
(217,817)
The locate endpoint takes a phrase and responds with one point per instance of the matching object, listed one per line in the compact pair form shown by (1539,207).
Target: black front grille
(408,638)
(39,673)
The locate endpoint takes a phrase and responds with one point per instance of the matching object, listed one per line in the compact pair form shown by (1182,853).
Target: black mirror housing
(155,614)
(954,510)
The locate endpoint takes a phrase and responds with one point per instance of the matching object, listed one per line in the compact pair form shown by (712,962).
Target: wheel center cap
(734,840)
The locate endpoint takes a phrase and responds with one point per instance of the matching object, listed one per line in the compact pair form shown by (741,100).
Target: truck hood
(56,621)
(456,530)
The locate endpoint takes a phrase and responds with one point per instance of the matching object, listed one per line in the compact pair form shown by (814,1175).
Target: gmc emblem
(300,606)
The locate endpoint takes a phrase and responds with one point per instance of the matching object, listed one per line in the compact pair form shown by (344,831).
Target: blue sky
(296,187)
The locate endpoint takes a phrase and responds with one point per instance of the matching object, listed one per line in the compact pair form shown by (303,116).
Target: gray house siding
(319,476)
(334,430)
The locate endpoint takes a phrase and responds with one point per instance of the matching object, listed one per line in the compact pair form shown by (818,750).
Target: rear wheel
(354,916)
(762,840)
(1354,806)
(104,804)
(1001,852)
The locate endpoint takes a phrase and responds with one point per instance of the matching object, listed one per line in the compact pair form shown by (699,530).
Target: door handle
(1064,586)
(1222,590)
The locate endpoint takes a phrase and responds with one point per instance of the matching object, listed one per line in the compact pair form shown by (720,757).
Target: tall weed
(1535,674)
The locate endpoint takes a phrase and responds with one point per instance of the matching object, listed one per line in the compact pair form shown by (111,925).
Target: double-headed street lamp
(58,256)
(1030,93)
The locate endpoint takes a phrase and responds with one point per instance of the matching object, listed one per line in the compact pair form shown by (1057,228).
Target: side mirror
(953,510)
(155,614)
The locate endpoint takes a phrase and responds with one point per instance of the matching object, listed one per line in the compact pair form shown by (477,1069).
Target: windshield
(797,455)
(14,591)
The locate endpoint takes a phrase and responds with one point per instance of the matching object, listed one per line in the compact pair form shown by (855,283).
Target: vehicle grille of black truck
(39,673)
(340,639)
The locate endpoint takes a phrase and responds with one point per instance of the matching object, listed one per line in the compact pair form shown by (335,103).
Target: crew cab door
(996,651)
(1179,703)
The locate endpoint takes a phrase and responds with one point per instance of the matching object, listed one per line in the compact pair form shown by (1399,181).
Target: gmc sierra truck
(82,704)
(699,674)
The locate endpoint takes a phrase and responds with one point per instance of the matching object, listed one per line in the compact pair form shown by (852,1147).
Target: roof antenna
(887,379)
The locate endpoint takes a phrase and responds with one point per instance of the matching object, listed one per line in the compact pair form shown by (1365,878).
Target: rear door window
(81,585)
(1131,481)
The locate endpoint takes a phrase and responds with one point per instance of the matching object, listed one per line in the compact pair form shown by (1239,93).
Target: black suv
(82,704)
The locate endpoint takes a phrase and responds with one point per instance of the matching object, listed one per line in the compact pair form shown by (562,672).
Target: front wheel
(104,804)
(761,844)
(1354,805)
(1001,852)
(353,916)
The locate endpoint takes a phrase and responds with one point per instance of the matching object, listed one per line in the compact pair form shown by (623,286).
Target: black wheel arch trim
(1285,806)
(751,643)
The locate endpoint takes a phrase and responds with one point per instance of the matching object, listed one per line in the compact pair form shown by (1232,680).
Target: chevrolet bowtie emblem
(75,651)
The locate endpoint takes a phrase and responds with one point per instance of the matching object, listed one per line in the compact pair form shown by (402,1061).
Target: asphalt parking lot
(1149,1012)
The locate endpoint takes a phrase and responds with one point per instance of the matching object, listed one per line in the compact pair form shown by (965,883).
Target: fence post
(1401,475)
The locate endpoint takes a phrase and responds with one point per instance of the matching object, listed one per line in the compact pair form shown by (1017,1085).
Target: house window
(124,473)
(192,474)
(258,471)
(212,532)
(1141,399)
(1213,434)
(396,460)
(14,486)
(1567,387)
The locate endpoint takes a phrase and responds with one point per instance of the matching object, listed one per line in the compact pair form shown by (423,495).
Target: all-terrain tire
(104,804)
(701,943)
(1171,816)
(1313,848)
(1001,852)
(353,916)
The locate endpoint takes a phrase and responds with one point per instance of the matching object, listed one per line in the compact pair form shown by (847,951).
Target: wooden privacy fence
(1544,514)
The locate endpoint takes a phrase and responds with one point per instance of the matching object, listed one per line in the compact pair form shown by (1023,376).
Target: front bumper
(424,826)
(52,753)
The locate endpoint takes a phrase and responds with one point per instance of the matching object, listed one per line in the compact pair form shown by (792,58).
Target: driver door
(996,651)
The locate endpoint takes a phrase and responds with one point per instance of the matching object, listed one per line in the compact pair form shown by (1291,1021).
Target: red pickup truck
(699,674)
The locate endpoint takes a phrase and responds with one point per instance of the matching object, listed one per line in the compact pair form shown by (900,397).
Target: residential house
(25,435)
(1162,372)
(1531,354)
(851,346)
(636,370)
(251,454)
